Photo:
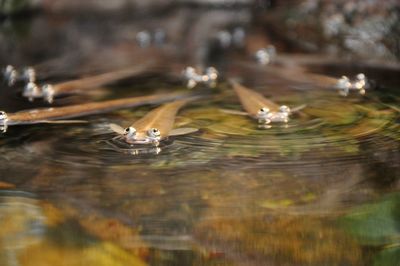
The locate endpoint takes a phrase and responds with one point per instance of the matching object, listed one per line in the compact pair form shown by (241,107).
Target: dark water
(322,190)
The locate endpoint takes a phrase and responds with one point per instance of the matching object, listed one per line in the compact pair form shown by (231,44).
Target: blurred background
(321,190)
(362,29)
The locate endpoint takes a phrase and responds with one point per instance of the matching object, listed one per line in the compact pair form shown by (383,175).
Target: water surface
(321,190)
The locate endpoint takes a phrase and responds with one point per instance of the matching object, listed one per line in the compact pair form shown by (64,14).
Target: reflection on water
(231,193)
(21,223)
(311,192)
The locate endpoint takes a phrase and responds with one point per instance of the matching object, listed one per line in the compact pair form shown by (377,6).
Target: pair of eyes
(283,108)
(153,132)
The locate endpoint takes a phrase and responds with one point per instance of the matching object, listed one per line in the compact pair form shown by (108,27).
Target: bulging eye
(154,132)
(129,131)
(263,110)
(284,109)
(3,115)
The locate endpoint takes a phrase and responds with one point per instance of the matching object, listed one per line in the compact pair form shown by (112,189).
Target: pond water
(321,190)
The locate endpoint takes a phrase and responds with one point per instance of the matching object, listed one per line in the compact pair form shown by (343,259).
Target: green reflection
(378,225)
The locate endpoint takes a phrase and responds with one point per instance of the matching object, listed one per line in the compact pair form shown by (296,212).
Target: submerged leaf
(388,257)
(99,254)
(377,223)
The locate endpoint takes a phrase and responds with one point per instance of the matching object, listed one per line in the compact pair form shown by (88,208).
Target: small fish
(48,115)
(293,72)
(154,126)
(192,77)
(10,75)
(259,107)
(360,83)
(49,91)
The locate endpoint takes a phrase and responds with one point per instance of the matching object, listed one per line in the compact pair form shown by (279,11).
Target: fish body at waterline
(49,91)
(55,114)
(154,126)
(259,107)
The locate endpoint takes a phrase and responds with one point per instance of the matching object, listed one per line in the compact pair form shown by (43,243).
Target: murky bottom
(321,190)
(229,194)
